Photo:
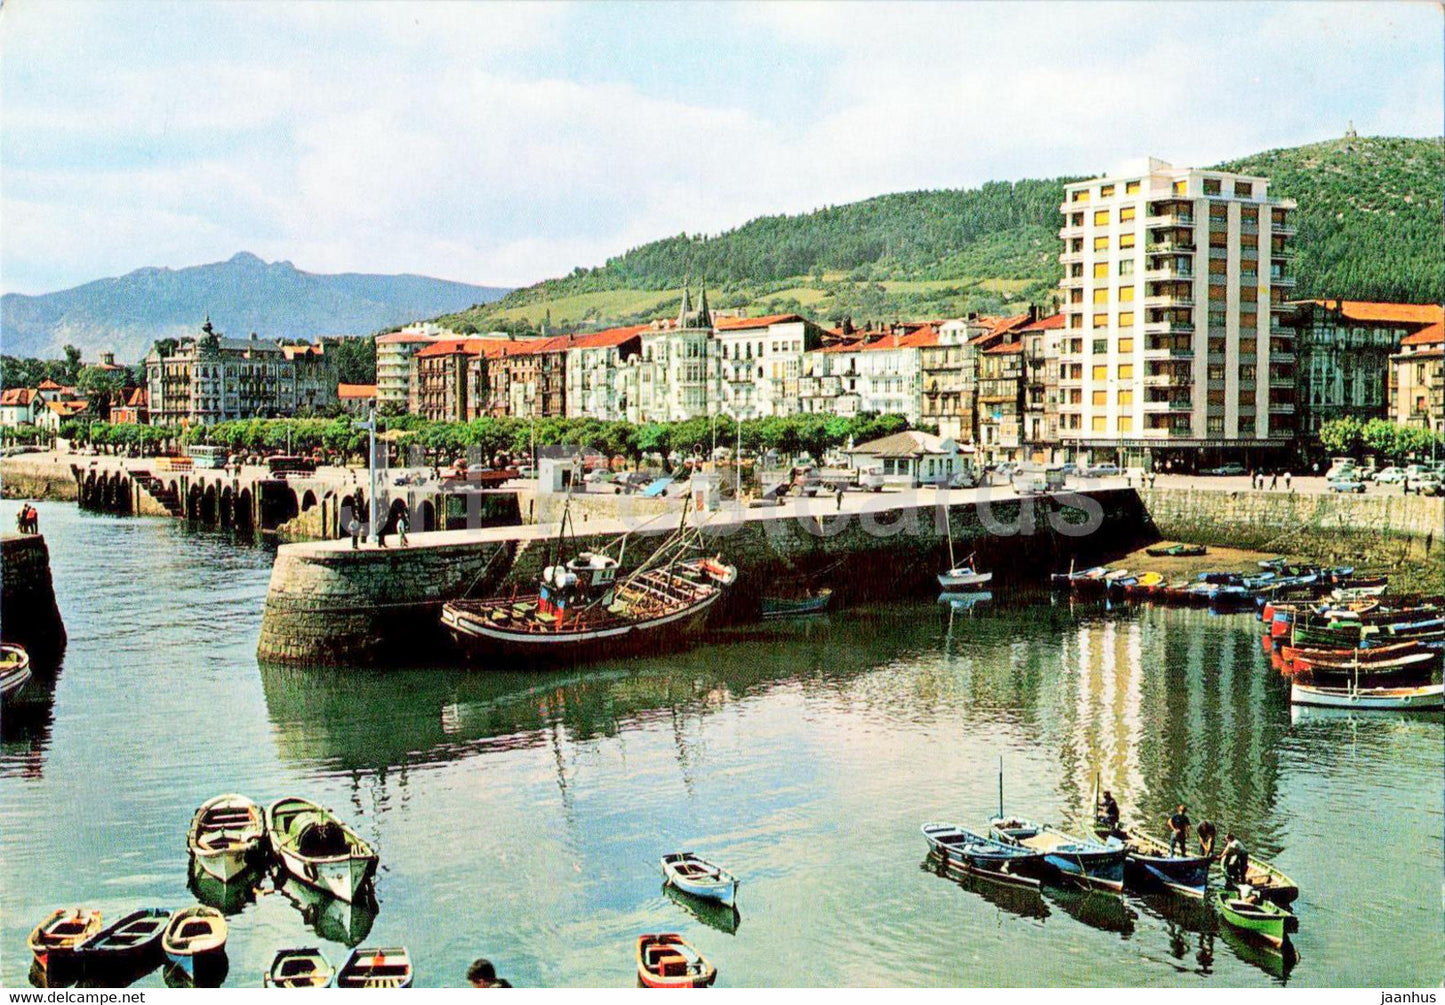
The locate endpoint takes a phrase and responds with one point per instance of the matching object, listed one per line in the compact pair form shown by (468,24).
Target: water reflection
(1018,900)
(722,917)
(331,919)
(228,898)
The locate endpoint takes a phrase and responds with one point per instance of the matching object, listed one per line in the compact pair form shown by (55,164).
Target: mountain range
(243,294)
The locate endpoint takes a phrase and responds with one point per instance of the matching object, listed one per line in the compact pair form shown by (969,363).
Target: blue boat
(1150,865)
(983,855)
(195,943)
(132,942)
(1095,863)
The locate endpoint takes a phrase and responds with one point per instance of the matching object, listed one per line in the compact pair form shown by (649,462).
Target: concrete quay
(328,603)
(29,615)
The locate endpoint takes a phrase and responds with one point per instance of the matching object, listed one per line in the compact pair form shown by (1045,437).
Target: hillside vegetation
(1369,228)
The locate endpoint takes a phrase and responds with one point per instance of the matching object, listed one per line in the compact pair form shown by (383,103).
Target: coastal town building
(356,399)
(537,377)
(1345,348)
(1417,379)
(948,387)
(910,458)
(677,370)
(871,371)
(308,382)
(597,368)
(1173,350)
(211,378)
(394,370)
(21,406)
(760,361)
(1040,362)
(133,408)
(1001,401)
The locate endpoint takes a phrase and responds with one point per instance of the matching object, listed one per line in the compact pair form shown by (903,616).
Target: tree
(1342,437)
(72,364)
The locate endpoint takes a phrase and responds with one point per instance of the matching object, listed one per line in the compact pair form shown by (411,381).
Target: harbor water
(520,817)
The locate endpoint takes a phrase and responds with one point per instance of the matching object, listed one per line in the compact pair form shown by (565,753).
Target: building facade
(1001,403)
(597,372)
(394,370)
(760,361)
(948,386)
(1040,363)
(1173,348)
(1417,380)
(537,377)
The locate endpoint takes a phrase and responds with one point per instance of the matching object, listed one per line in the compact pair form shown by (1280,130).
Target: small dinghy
(376,968)
(133,941)
(1428,697)
(299,968)
(55,940)
(801,605)
(14,671)
(699,877)
(982,856)
(195,942)
(669,961)
(318,849)
(1091,862)
(1249,912)
(226,836)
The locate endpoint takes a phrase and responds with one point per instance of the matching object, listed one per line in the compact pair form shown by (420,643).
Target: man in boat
(1109,811)
(1179,831)
(1235,860)
(1206,833)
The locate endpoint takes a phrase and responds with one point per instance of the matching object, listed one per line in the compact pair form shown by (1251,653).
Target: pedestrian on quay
(1179,831)
(20,517)
(1273,481)
(401,526)
(381,535)
(33,519)
(354,529)
(1286,481)
(840,499)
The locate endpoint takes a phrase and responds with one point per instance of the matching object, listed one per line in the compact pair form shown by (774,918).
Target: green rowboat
(1268,921)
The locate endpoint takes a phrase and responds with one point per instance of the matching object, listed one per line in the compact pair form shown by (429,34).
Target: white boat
(195,942)
(225,836)
(1429,697)
(964,577)
(14,671)
(318,849)
(699,877)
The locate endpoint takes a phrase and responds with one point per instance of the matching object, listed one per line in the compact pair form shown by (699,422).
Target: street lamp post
(370,426)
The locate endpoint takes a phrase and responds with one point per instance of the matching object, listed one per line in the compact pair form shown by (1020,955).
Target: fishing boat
(376,968)
(1269,882)
(983,856)
(1150,863)
(132,941)
(299,968)
(226,836)
(314,846)
(1176,550)
(55,940)
(1146,585)
(1095,863)
(1259,917)
(195,941)
(699,877)
(1426,697)
(14,670)
(585,607)
(1418,663)
(667,960)
(1073,579)
(809,602)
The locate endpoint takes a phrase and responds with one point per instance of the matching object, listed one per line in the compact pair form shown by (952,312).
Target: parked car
(1341,469)
(1225,470)
(526,471)
(1426,483)
(964,479)
(1390,476)
(1346,483)
(597,476)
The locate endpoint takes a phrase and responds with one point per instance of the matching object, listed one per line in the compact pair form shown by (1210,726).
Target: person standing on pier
(354,529)
(401,525)
(1109,811)
(1179,831)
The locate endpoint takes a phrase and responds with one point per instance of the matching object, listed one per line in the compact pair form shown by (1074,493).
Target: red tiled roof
(292,351)
(17,396)
(608,337)
(1005,349)
(49,385)
(1045,324)
(736,324)
(138,398)
(67,407)
(1426,336)
(1365,310)
(491,347)
(356,391)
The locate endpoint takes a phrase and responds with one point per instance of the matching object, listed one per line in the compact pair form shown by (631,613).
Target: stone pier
(329,603)
(29,615)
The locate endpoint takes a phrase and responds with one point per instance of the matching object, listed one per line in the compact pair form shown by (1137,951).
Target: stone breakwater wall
(330,604)
(26,478)
(1394,533)
(28,612)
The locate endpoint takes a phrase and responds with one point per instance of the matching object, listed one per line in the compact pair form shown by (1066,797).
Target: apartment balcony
(1282,407)
(1164,300)
(1167,379)
(1169,275)
(1069,282)
(1161,352)
(1282,281)
(1070,230)
(1170,248)
(1281,357)
(1172,327)
(1170,220)
(1286,229)
(1250,227)
(1218,253)
(1174,405)
(1281,307)
(1070,257)
(1282,382)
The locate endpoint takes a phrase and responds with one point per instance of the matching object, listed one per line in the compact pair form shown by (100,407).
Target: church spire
(686,305)
(704,316)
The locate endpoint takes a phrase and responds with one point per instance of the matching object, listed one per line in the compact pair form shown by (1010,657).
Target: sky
(502,144)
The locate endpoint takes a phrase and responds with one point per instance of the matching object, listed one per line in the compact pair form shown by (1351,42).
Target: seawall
(1399,535)
(27,477)
(28,612)
(328,603)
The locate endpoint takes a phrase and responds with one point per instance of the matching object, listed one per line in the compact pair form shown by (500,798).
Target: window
(1126,397)
(1106,191)
(1247,293)
(1101,244)
(1100,424)
(1101,398)
(1076,219)
(1216,371)
(1126,423)
(1126,240)
(1248,322)
(1218,266)
(1243,188)
(1101,347)
(1126,213)
(1248,347)
(1179,187)
(1126,294)
(1126,319)
(1101,218)
(1216,293)
(1126,345)
(1076,270)
(1126,371)
(1211,186)
(1076,320)
(1101,320)
(1101,374)
(1218,212)
(1101,270)
(1131,187)
(1126,266)
(1101,296)
(1080,195)
(1076,296)
(1215,425)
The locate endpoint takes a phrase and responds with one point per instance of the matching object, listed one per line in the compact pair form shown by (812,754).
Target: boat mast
(948,525)
(1000,785)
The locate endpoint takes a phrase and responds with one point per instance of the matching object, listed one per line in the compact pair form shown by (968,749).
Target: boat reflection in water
(41,977)
(1021,901)
(228,898)
(967,602)
(1108,912)
(723,917)
(331,919)
(1275,961)
(212,976)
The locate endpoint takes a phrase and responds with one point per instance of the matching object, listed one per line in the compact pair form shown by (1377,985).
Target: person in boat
(1179,831)
(1235,860)
(1109,811)
(1206,833)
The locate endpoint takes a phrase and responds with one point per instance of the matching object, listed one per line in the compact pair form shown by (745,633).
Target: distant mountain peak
(244,258)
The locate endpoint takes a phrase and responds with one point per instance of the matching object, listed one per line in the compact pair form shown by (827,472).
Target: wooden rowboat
(318,849)
(1261,918)
(982,856)
(699,877)
(1428,697)
(14,670)
(667,960)
(299,968)
(376,968)
(1151,864)
(132,941)
(55,940)
(815,602)
(195,941)
(1088,861)
(226,836)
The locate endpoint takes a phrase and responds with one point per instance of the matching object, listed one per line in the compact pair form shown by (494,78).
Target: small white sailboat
(961,577)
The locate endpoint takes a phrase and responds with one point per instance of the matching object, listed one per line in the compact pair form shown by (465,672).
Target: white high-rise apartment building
(1172,348)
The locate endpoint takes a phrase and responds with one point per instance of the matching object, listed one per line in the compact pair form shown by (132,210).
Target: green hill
(1369,228)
